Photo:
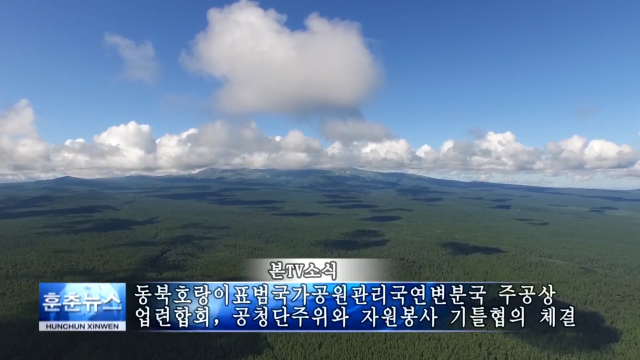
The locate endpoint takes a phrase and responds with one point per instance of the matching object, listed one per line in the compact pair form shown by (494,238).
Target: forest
(201,226)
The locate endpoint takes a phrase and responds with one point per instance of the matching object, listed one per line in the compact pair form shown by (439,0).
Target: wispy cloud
(586,112)
(140,62)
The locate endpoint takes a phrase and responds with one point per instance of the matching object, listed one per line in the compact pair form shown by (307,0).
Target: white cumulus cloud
(132,148)
(578,153)
(18,120)
(267,67)
(139,59)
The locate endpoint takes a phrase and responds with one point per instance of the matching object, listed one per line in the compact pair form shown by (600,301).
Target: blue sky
(544,70)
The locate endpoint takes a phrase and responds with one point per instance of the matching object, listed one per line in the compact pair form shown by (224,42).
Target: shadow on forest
(501,207)
(364,234)
(330,202)
(352,244)
(201,226)
(460,248)
(219,197)
(137,244)
(533,222)
(80,210)
(548,191)
(611,198)
(228,189)
(428,200)
(354,206)
(240,202)
(385,211)
(419,191)
(341,197)
(20,203)
(170,189)
(168,243)
(373,185)
(266,208)
(382,218)
(590,334)
(299,214)
(101,225)
(188,239)
(21,340)
(602,209)
(540,223)
(201,195)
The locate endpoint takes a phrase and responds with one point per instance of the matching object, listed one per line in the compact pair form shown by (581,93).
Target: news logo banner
(339,307)
(82,307)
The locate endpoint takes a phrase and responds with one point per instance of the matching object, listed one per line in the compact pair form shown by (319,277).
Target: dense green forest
(585,242)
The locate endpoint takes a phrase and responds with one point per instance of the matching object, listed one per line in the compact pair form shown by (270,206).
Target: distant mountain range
(314,179)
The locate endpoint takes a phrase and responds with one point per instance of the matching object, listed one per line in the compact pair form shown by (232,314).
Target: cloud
(181,102)
(586,112)
(476,133)
(266,67)
(578,153)
(139,59)
(348,131)
(132,148)
(18,120)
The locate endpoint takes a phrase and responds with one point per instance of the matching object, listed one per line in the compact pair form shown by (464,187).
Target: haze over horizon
(539,94)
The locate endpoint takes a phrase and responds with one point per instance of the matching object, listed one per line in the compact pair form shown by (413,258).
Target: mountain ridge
(307,177)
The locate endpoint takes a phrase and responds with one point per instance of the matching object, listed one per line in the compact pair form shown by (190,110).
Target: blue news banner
(83,307)
(299,307)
